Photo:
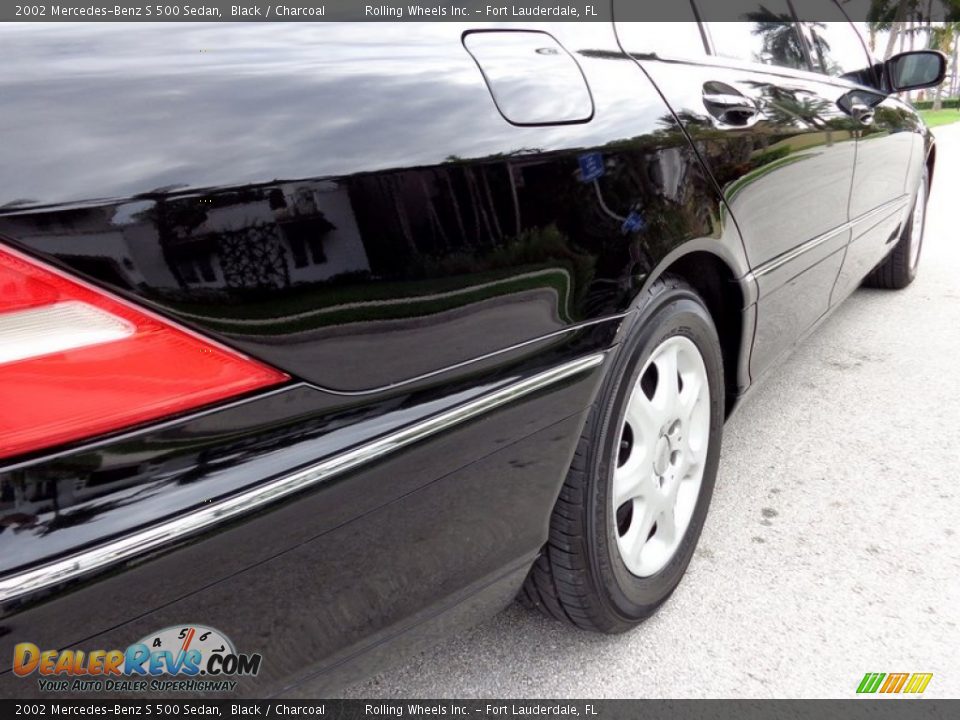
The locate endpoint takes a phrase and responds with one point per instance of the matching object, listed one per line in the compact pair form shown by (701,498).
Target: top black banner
(547,709)
(883,12)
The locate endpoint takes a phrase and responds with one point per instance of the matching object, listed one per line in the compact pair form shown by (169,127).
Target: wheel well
(931,161)
(715,282)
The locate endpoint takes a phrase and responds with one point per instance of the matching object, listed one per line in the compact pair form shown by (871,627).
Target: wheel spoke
(643,418)
(693,385)
(665,398)
(669,489)
(692,459)
(631,544)
(629,483)
(667,524)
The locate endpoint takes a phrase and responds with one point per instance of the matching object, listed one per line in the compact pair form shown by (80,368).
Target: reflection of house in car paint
(294,232)
(302,232)
(91,239)
(307,231)
(339,249)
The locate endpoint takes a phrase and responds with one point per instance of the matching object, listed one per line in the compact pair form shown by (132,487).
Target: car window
(836,47)
(767,35)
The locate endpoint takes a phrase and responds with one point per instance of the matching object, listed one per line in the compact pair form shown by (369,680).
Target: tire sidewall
(674,312)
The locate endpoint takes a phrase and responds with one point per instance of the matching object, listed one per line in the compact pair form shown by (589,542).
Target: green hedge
(948,103)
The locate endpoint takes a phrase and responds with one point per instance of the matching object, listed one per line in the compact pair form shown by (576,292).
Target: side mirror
(916,69)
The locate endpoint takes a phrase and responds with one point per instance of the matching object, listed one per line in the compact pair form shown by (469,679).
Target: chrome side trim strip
(143,541)
(890,206)
(480,358)
(806,247)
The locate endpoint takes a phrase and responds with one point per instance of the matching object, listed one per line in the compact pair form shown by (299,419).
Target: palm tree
(896,23)
(781,44)
(904,19)
(879,19)
(955,80)
(945,37)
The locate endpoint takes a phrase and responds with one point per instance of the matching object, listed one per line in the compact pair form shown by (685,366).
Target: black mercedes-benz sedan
(321,341)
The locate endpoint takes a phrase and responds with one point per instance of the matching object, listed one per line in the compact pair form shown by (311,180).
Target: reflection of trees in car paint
(325,243)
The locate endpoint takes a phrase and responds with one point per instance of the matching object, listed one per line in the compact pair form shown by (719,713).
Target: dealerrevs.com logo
(187,658)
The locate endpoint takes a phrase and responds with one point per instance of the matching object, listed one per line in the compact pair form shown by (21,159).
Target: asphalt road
(832,548)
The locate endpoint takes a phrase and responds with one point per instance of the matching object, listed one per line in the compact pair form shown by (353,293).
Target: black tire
(580,576)
(899,268)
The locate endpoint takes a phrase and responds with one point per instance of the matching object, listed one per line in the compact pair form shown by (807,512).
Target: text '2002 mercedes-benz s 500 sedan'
(333,339)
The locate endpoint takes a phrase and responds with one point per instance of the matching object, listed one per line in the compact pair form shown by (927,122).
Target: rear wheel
(899,268)
(636,496)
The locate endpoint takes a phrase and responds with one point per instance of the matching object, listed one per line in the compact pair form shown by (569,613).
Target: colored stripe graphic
(895,683)
(918,682)
(870,682)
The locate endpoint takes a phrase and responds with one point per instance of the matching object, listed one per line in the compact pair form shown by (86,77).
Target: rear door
(778,145)
(889,141)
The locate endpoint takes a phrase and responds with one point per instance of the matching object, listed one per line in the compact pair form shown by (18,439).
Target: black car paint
(164,160)
(445,196)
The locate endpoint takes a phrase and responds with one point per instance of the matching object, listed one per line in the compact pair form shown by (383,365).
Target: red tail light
(76,362)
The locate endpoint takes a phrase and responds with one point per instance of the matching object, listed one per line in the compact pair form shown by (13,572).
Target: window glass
(837,48)
(767,35)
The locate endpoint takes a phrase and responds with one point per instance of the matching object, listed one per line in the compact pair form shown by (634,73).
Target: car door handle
(862,113)
(730,109)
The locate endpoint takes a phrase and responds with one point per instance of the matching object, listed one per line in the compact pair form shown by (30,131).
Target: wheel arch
(726,287)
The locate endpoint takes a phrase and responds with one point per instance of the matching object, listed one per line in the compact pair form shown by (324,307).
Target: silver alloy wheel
(916,230)
(662,454)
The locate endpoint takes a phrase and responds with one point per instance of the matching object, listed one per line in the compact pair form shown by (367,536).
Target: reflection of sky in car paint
(114,108)
(509,59)
(117,107)
(683,38)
